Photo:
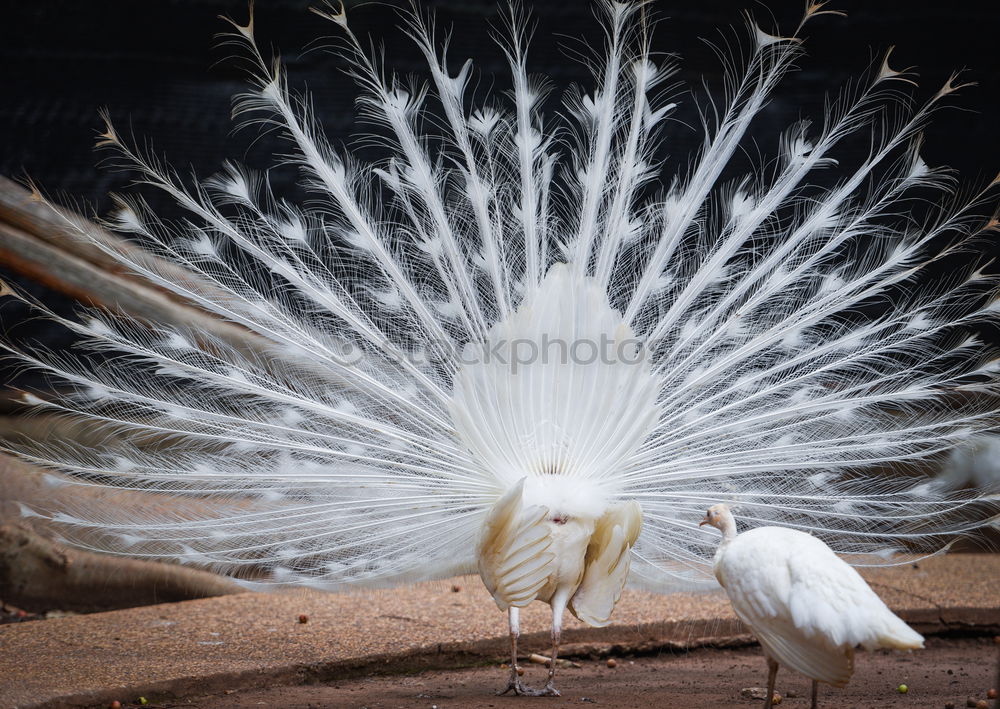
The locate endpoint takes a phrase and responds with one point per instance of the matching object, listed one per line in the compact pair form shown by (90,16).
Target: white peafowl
(514,342)
(808,608)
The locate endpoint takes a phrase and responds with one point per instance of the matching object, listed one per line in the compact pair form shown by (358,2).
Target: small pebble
(982,704)
(456,588)
(791,694)
(143,701)
(902,689)
(949,705)
(116,704)
(520,671)
(612,662)
(970,702)
(992,694)
(303,618)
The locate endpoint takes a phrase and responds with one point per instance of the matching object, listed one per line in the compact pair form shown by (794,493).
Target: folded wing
(607,563)
(514,556)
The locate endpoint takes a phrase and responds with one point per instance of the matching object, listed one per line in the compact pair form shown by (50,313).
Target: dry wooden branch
(38,574)
(43,243)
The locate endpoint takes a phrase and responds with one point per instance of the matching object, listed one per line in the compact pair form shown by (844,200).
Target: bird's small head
(714,515)
(721,518)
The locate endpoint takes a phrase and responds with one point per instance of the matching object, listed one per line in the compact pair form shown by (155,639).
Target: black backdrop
(158,68)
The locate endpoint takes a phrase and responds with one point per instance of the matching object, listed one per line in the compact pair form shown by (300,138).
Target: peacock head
(721,518)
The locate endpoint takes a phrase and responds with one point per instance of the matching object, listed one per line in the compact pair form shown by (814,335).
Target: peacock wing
(829,599)
(607,563)
(513,552)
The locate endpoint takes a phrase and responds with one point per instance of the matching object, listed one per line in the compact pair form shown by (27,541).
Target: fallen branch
(43,243)
(39,575)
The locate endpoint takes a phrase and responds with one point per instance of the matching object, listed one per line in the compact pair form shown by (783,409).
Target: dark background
(158,67)
(159,70)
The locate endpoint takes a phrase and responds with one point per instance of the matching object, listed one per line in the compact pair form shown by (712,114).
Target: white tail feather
(791,342)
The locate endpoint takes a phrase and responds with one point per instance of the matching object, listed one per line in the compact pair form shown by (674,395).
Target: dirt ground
(948,671)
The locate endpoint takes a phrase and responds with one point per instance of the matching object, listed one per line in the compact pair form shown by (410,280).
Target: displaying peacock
(517,345)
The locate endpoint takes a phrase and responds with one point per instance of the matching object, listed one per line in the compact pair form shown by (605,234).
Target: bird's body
(808,608)
(557,534)
(556,552)
(513,341)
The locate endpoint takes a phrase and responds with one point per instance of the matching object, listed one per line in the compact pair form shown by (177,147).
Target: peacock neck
(727,525)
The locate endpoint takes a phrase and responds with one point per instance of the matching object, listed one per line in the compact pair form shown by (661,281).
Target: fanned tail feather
(794,349)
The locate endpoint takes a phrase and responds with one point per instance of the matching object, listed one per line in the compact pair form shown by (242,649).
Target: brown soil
(949,670)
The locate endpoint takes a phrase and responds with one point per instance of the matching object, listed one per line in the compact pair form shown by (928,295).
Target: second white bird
(808,608)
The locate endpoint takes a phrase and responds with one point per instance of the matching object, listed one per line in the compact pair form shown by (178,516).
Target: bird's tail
(893,632)
(806,344)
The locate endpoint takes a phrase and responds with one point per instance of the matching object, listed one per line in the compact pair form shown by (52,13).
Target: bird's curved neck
(727,525)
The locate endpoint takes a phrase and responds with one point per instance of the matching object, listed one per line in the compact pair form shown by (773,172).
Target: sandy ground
(949,671)
(247,642)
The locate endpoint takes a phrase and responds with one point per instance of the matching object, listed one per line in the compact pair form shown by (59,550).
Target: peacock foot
(549,690)
(515,686)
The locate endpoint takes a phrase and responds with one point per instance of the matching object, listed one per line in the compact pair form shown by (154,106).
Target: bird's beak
(703,522)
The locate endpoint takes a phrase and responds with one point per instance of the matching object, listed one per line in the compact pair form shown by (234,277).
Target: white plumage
(513,341)
(567,549)
(807,607)
(975,463)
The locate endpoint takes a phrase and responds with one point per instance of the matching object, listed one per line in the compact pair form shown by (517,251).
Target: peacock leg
(557,612)
(772,672)
(514,684)
(815,694)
